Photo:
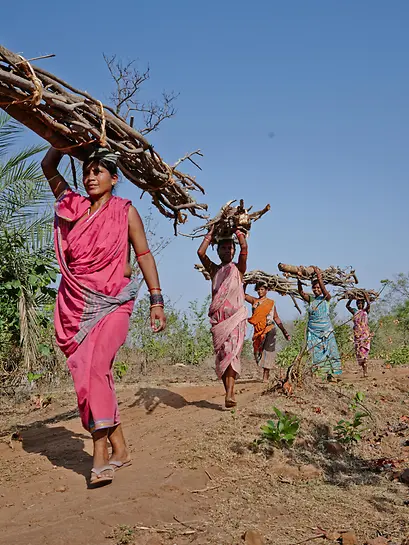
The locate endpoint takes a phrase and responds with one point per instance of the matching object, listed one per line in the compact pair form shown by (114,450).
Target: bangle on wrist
(157,305)
(156,299)
(154,289)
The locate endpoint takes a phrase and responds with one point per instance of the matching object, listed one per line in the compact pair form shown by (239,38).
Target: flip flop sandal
(102,475)
(115,465)
(230,403)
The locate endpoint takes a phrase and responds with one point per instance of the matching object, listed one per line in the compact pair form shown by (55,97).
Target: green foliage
(291,350)
(120,369)
(399,356)
(349,432)
(281,432)
(187,338)
(26,260)
(33,377)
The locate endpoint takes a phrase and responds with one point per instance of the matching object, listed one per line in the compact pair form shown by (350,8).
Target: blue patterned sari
(320,337)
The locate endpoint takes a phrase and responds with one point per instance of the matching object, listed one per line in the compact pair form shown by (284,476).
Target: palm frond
(10,130)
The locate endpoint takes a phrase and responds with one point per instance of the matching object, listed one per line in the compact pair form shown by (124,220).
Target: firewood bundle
(358,294)
(228,220)
(335,276)
(273,282)
(72,120)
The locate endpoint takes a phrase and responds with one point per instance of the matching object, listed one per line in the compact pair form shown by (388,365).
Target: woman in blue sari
(321,341)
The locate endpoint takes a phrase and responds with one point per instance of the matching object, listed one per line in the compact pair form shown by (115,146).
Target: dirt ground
(195,477)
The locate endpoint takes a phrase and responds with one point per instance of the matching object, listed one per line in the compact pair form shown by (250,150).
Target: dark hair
(109,165)
(260,285)
(223,240)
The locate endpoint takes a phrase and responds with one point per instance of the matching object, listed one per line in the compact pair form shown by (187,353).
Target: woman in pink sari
(96,295)
(362,333)
(227,311)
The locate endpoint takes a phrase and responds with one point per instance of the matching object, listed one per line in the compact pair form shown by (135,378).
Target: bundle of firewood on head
(335,276)
(273,282)
(358,294)
(73,121)
(228,220)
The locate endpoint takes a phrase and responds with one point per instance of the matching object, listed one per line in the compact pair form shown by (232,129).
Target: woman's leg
(266,375)
(229,379)
(119,449)
(101,458)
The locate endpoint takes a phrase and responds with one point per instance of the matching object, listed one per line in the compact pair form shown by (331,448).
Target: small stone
(404,476)
(310,472)
(155,540)
(380,540)
(349,538)
(334,448)
(61,489)
(253,537)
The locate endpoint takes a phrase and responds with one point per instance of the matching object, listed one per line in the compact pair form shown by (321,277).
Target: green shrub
(399,356)
(281,432)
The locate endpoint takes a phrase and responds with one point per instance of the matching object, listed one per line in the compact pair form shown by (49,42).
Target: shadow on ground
(150,398)
(63,447)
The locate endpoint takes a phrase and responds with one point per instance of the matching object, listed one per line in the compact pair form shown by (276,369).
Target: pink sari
(362,336)
(228,317)
(94,300)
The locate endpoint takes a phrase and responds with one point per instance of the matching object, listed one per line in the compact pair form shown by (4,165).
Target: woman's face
(316,290)
(262,291)
(98,181)
(360,304)
(226,251)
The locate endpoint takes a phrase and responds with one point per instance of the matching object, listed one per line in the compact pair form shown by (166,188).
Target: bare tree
(128,80)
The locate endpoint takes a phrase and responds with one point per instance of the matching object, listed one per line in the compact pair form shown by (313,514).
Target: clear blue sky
(330,79)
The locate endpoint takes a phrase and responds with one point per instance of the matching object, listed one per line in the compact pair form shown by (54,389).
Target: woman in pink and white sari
(228,314)
(96,295)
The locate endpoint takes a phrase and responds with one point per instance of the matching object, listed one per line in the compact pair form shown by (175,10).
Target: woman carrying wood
(320,333)
(362,333)
(96,295)
(264,338)
(227,312)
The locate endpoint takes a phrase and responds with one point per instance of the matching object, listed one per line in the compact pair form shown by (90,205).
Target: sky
(302,105)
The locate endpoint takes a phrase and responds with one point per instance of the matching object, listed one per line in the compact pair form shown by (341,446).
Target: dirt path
(43,495)
(192,462)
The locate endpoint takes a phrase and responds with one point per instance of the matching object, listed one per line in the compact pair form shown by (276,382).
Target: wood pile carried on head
(72,121)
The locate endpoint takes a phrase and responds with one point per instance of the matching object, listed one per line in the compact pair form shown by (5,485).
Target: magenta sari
(362,336)
(228,318)
(94,300)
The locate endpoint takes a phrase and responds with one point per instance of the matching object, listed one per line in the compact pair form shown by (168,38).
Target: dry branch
(228,219)
(201,269)
(72,120)
(336,276)
(274,282)
(357,294)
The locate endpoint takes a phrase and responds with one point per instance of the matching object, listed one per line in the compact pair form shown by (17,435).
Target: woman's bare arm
(348,305)
(50,169)
(324,290)
(147,264)
(242,262)
(280,325)
(250,299)
(368,304)
(207,263)
(304,295)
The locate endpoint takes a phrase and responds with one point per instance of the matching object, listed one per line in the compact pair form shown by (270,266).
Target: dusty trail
(43,494)
(188,443)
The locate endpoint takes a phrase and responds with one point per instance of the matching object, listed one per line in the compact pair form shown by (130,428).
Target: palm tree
(26,257)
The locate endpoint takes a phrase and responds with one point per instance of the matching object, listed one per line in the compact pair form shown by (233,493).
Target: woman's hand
(158,319)
(288,337)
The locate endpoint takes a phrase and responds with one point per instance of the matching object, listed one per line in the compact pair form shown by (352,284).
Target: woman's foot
(101,476)
(229,403)
(364,370)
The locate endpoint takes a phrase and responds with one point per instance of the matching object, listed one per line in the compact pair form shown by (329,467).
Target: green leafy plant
(349,432)
(33,377)
(120,369)
(398,356)
(281,432)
